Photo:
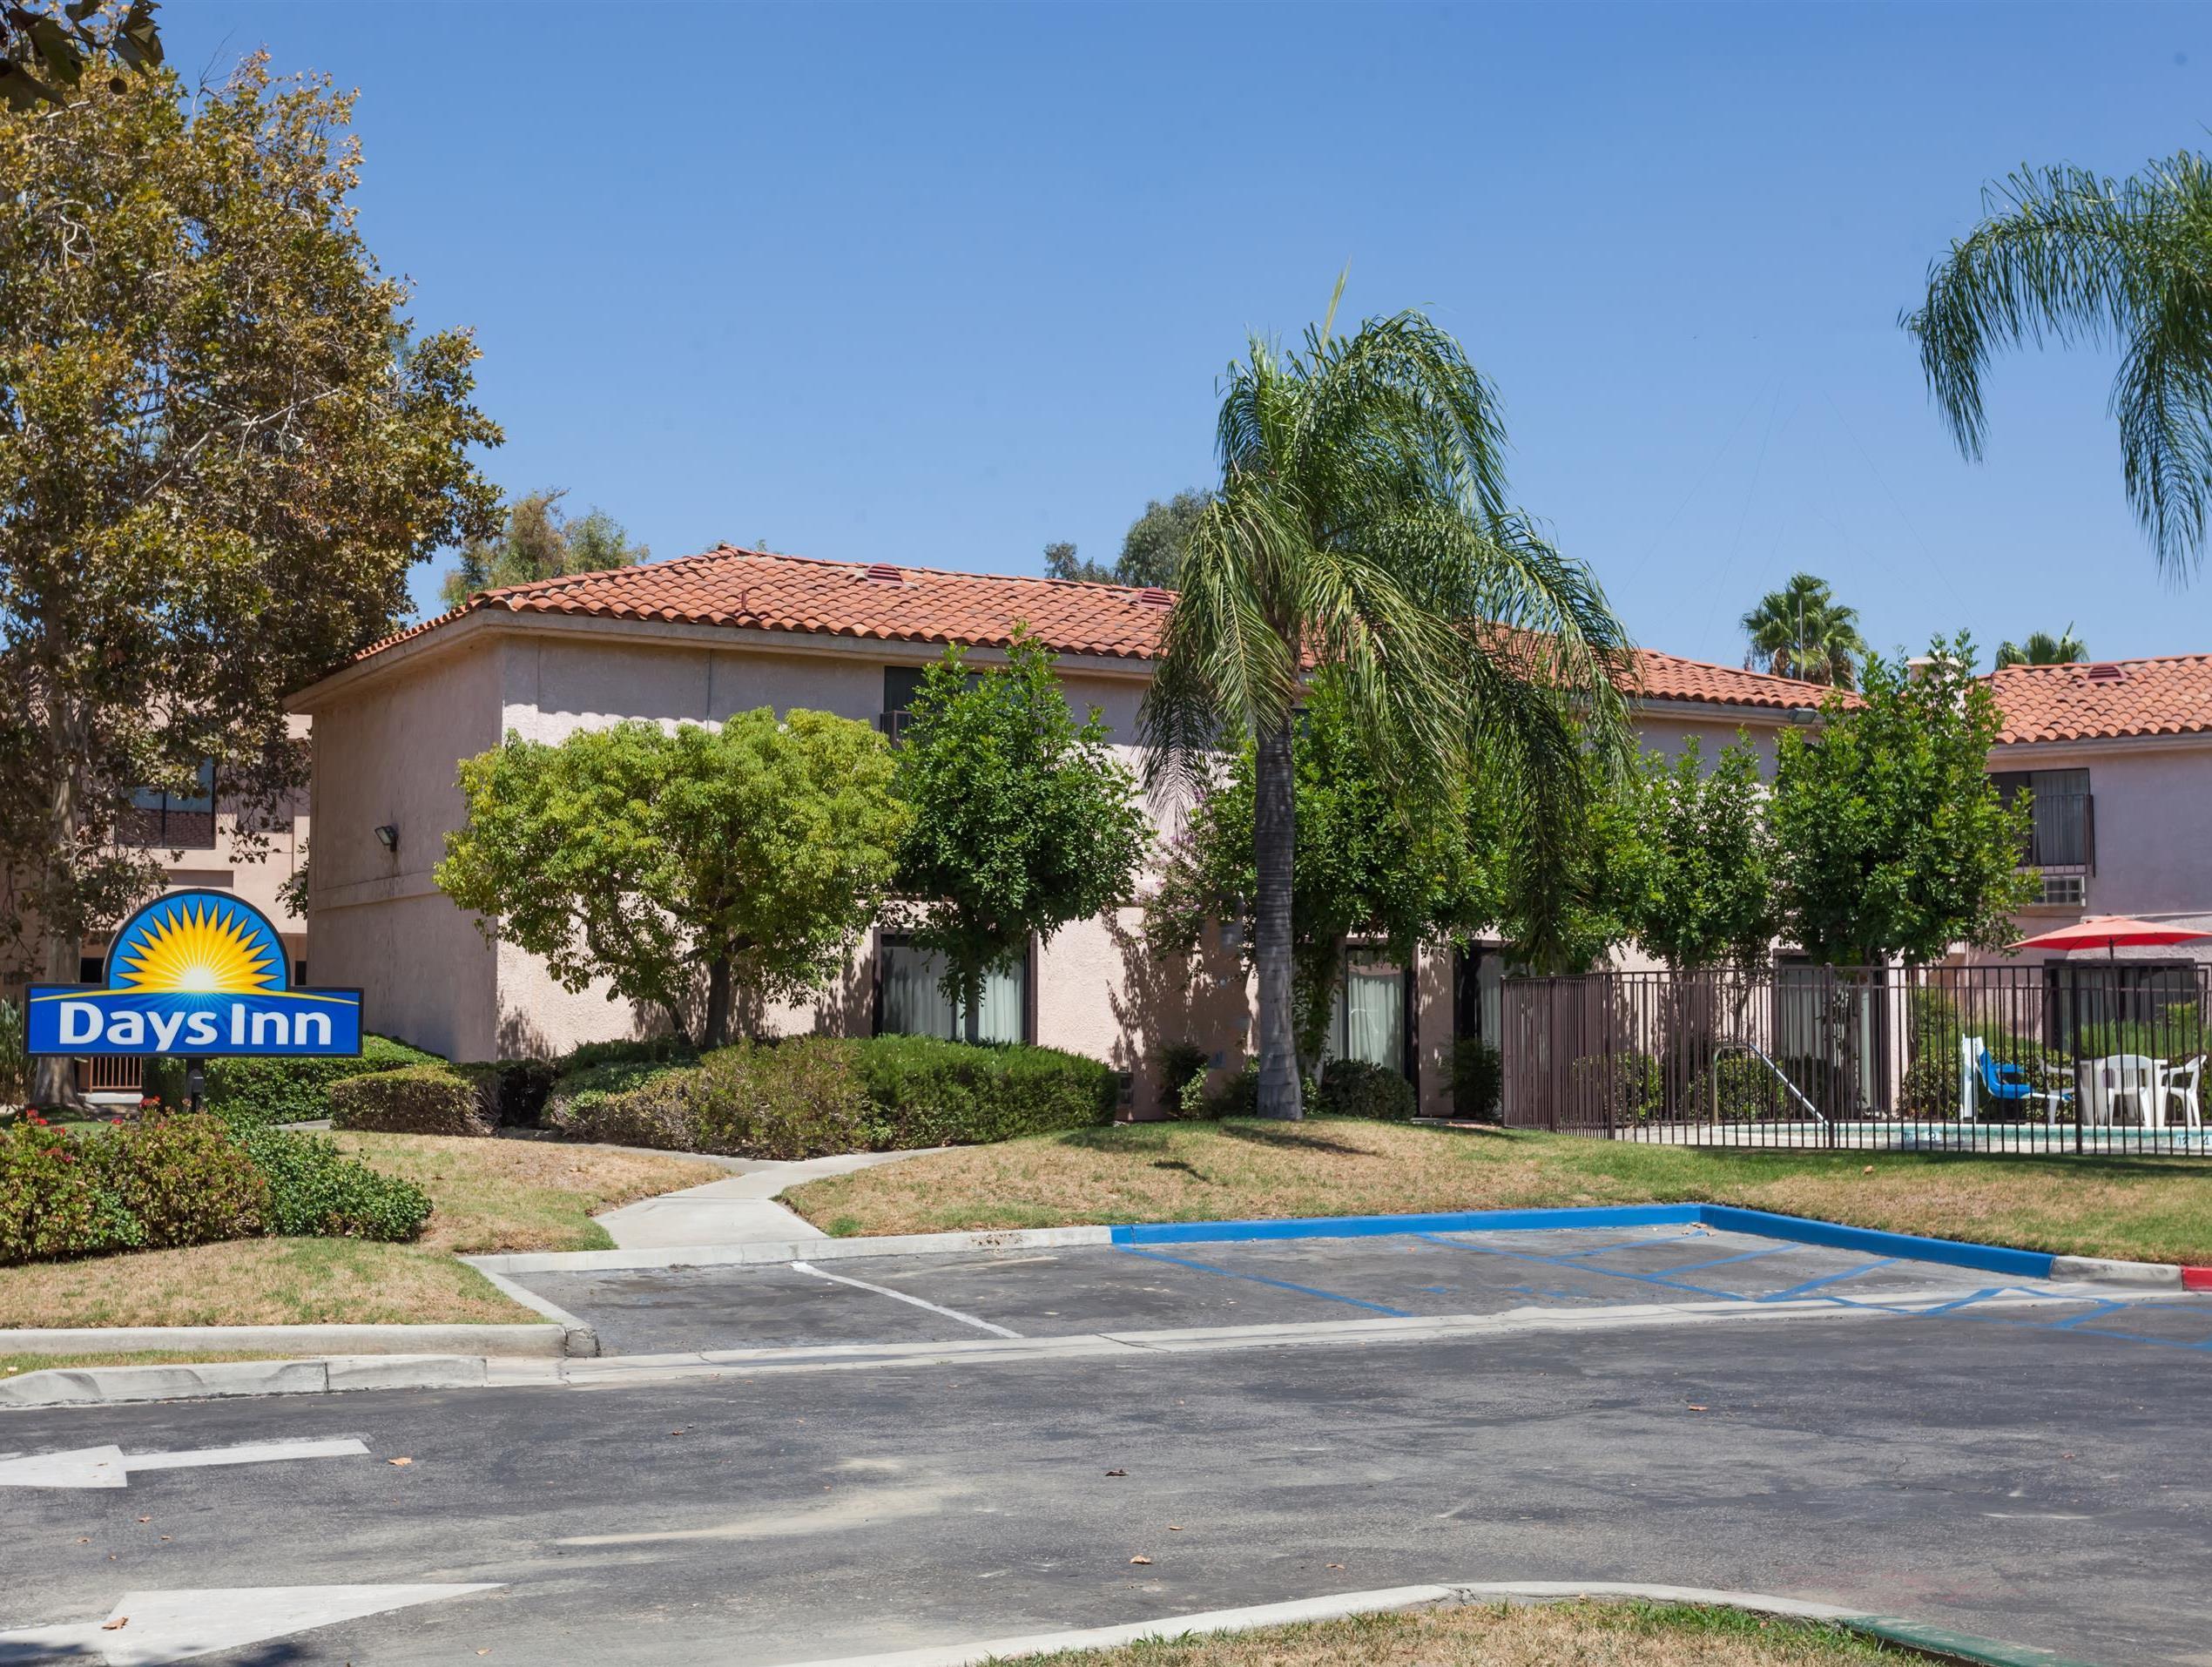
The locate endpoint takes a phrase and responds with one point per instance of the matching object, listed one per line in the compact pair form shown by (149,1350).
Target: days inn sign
(193,972)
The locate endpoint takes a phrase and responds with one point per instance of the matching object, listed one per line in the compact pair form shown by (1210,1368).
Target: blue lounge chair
(2002,1083)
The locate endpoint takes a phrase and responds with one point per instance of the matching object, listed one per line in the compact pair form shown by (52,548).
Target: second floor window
(2064,832)
(175,821)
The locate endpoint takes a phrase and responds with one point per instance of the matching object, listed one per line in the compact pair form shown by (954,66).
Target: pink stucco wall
(388,739)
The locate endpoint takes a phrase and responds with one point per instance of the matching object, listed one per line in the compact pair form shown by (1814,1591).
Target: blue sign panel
(194,972)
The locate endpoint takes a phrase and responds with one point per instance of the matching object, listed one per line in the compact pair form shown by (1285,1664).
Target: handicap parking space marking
(1576,1266)
(1741,1256)
(1261,1278)
(903,1296)
(1828,1279)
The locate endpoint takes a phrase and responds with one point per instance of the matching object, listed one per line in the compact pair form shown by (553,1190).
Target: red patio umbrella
(2108,932)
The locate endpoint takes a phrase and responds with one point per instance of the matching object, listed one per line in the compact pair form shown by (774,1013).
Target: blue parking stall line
(1261,1278)
(1630,1243)
(1573,1265)
(1825,1279)
(2104,1306)
(1741,1256)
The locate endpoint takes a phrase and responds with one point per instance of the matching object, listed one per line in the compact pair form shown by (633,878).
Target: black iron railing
(2073,1056)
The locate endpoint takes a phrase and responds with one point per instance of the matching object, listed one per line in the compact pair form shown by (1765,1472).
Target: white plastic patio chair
(2180,1082)
(2118,1081)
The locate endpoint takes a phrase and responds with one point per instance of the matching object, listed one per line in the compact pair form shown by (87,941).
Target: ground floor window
(909,1002)
(1478,993)
(1368,1020)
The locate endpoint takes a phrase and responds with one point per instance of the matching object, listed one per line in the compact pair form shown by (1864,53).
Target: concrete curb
(497,1341)
(1729,1217)
(1944,1645)
(65,1386)
(812,1250)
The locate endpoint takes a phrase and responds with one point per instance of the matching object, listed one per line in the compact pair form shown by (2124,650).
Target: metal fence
(2066,1056)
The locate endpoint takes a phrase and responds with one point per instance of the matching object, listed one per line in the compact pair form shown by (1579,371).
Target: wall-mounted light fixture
(1804,714)
(388,837)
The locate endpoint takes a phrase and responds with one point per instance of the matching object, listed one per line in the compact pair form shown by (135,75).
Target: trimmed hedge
(251,1093)
(933,1093)
(1352,1088)
(174,1181)
(418,1100)
(809,1096)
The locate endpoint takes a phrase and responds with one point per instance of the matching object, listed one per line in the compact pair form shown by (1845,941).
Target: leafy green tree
(222,446)
(2065,255)
(46,50)
(2043,649)
(1022,820)
(540,542)
(1373,863)
(1152,549)
(1802,631)
(1361,531)
(750,856)
(1889,838)
(1061,561)
(1701,864)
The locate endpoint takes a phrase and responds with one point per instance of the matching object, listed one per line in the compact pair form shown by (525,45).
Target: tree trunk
(53,1081)
(1273,826)
(717,1003)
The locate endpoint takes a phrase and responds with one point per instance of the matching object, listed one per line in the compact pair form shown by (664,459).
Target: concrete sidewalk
(741,1211)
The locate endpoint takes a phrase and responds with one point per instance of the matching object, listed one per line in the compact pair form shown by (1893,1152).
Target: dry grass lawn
(490,1195)
(2157,1210)
(1561,1635)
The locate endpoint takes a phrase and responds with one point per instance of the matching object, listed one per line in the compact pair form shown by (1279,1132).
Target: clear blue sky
(938,285)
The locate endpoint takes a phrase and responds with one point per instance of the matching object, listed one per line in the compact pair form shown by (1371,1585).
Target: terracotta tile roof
(761,592)
(800,593)
(1670,677)
(2101,699)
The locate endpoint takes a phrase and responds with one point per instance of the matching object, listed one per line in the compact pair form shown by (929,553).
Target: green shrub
(798,1097)
(52,1202)
(1239,1096)
(647,1050)
(1746,1090)
(316,1191)
(515,1089)
(933,1093)
(414,1100)
(1353,1088)
(185,1180)
(579,1099)
(809,1096)
(1931,1087)
(1478,1080)
(250,1093)
(1184,1066)
(1621,1087)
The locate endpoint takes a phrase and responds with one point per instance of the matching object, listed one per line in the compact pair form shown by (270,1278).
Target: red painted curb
(2196,1278)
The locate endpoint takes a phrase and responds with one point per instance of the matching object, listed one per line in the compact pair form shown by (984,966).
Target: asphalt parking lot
(1043,1294)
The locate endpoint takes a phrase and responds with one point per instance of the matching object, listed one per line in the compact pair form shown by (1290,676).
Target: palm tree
(1802,631)
(2043,649)
(2071,256)
(1360,527)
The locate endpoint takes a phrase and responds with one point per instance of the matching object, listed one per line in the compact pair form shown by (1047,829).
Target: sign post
(202,973)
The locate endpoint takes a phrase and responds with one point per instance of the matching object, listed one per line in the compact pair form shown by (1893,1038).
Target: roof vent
(1152,596)
(884,573)
(2106,672)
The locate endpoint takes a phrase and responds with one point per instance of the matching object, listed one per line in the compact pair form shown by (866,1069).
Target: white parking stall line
(902,1296)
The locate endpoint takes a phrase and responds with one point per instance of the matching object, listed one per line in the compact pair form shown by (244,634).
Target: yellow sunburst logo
(195,951)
